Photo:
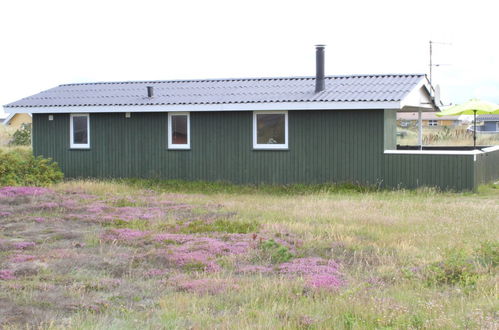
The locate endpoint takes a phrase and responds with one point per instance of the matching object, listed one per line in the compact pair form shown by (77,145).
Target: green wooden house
(285,130)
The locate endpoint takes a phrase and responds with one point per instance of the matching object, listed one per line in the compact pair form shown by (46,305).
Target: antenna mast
(431,60)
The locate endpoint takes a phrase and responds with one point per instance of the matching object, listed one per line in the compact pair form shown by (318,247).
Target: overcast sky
(47,43)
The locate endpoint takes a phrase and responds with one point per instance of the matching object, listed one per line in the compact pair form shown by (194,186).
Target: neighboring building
(490,124)
(428,119)
(15,120)
(251,130)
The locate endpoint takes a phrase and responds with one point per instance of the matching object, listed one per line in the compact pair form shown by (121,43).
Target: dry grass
(385,244)
(446,136)
(5,135)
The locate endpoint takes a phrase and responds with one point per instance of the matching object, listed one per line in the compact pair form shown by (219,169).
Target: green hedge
(19,167)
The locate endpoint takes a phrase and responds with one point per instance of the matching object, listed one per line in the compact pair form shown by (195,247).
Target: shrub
(20,168)
(456,269)
(274,252)
(22,137)
(488,254)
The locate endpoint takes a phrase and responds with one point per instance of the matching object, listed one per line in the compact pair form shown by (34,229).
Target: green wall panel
(487,167)
(447,172)
(324,146)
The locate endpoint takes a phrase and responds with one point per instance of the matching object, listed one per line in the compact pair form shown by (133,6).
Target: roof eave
(211,107)
(419,98)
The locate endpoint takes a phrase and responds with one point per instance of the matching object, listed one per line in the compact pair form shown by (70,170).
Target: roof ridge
(240,79)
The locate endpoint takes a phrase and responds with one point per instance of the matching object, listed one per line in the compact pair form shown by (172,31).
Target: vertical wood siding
(447,172)
(487,167)
(324,146)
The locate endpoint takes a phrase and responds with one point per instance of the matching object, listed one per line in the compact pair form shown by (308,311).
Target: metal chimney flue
(320,83)
(150,91)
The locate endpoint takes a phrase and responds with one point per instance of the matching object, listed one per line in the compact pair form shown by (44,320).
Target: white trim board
(434,152)
(171,145)
(73,145)
(9,118)
(210,107)
(283,146)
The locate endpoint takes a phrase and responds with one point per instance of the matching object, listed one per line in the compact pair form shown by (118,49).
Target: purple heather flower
(319,273)
(24,245)
(21,258)
(7,274)
(254,269)
(47,205)
(203,286)
(22,191)
(324,281)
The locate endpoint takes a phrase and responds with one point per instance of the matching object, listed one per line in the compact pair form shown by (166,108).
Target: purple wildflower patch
(324,281)
(7,274)
(47,205)
(21,258)
(5,214)
(319,273)
(23,245)
(23,191)
(248,269)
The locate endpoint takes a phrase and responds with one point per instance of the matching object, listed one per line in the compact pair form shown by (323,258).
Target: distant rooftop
(349,88)
(487,118)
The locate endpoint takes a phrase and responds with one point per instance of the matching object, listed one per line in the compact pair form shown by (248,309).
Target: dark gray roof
(353,88)
(487,118)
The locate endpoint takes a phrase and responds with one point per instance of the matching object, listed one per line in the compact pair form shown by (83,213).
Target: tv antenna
(431,56)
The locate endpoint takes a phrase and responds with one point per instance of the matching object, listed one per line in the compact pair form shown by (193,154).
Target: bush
(275,253)
(20,168)
(488,254)
(22,137)
(456,269)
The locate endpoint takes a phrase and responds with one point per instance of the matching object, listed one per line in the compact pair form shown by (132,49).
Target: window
(270,130)
(432,122)
(80,131)
(179,130)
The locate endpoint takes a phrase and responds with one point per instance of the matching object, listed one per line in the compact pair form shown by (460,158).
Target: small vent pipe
(150,91)
(320,83)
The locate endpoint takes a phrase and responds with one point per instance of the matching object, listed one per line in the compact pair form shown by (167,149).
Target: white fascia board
(210,107)
(434,152)
(8,118)
(490,149)
(419,97)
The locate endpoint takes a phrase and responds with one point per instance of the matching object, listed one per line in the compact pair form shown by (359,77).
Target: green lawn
(119,255)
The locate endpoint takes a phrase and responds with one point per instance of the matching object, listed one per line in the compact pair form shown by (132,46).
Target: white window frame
(71,130)
(432,122)
(186,146)
(270,146)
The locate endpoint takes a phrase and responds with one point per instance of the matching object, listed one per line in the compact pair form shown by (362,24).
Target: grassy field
(126,255)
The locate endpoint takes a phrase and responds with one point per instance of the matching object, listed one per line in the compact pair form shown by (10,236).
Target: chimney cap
(320,46)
